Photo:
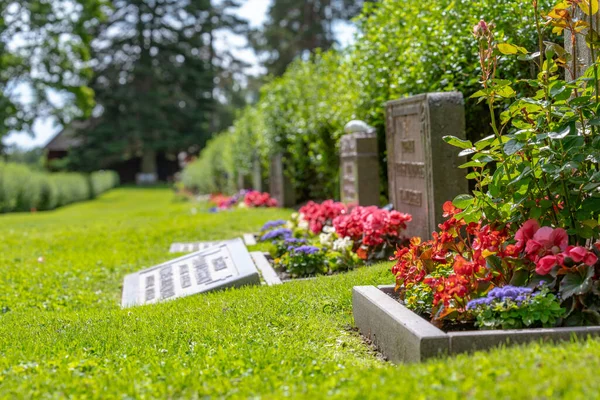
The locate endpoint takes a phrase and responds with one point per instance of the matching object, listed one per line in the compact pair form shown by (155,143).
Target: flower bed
(242,199)
(330,237)
(521,252)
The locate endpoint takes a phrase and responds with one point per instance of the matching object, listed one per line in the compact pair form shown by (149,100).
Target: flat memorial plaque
(227,264)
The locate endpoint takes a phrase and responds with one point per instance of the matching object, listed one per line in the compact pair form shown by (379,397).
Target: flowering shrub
(277,234)
(465,262)
(258,199)
(244,198)
(303,261)
(273,224)
(513,307)
(376,232)
(320,215)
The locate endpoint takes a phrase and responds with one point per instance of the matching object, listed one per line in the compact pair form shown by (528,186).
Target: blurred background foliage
(403,48)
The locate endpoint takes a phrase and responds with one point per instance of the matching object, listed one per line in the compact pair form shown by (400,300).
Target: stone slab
(403,336)
(266,270)
(249,239)
(218,267)
(423,170)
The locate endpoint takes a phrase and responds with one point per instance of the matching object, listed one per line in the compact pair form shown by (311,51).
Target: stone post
(280,185)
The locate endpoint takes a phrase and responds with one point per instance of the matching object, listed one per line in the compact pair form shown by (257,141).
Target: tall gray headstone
(359,164)
(281,188)
(256,175)
(423,170)
(217,267)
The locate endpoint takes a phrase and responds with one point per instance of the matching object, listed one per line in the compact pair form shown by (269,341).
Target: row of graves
(418,185)
(423,174)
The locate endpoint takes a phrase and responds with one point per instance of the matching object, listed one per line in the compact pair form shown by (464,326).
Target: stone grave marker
(281,188)
(423,170)
(256,175)
(226,265)
(359,161)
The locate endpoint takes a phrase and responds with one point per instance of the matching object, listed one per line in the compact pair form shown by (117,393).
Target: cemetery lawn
(63,333)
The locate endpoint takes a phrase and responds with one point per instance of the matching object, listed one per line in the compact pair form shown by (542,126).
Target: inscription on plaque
(225,265)
(184,270)
(408,146)
(167,288)
(411,197)
(150,288)
(348,182)
(411,169)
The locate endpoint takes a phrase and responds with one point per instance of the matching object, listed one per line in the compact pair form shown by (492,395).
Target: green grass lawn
(63,333)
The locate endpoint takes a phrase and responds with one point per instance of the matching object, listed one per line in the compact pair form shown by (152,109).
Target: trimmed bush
(24,189)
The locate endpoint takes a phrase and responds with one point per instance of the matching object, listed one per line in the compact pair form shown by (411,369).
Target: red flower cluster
(461,250)
(221,201)
(257,199)
(549,248)
(371,226)
(319,215)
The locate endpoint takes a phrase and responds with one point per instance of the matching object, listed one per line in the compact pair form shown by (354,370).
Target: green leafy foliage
(404,48)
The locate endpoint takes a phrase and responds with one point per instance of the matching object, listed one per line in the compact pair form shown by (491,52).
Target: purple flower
(272,224)
(515,293)
(306,250)
(280,233)
(294,241)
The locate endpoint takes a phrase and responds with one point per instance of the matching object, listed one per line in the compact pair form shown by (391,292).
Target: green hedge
(24,189)
(404,48)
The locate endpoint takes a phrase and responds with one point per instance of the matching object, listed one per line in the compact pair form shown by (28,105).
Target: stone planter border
(249,239)
(266,270)
(404,337)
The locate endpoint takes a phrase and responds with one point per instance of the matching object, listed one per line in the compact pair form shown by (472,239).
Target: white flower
(328,229)
(342,244)
(289,225)
(295,215)
(302,224)
(325,239)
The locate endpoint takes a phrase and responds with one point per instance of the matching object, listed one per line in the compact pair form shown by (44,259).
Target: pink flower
(545,264)
(526,233)
(552,238)
(580,254)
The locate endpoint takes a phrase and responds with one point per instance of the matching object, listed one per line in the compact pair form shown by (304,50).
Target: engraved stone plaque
(227,264)
(423,170)
(280,186)
(359,164)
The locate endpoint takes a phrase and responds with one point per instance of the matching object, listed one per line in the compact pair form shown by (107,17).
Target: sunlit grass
(63,334)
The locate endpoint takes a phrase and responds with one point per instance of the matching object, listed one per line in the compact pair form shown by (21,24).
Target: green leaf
(578,282)
(560,134)
(462,201)
(512,146)
(508,49)
(456,142)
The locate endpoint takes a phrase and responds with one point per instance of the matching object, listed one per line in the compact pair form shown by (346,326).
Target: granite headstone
(423,170)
